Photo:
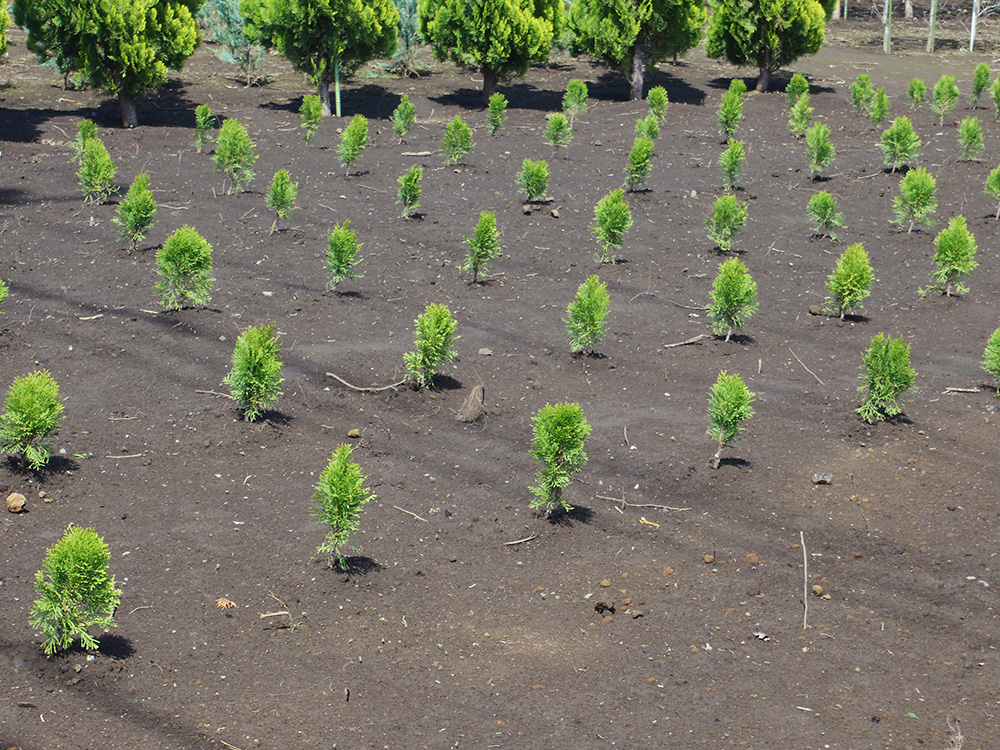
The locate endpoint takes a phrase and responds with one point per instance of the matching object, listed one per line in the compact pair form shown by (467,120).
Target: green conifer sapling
(255,379)
(862,94)
(800,116)
(612,218)
(409,190)
(730,114)
(658,103)
(970,139)
(97,172)
(457,142)
(31,414)
(558,132)
(353,140)
(484,245)
(851,281)
(945,97)
(185,265)
(560,434)
(887,375)
(731,164)
(585,316)
(880,108)
(497,113)
(823,209)
(311,113)
(136,212)
(534,179)
(916,92)
(639,163)
(574,101)
(234,154)
(729,406)
(797,86)
(955,256)
(917,199)
(204,124)
(281,197)
(342,254)
(991,358)
(648,127)
(85,130)
(728,217)
(900,144)
(819,148)
(340,497)
(434,339)
(734,298)
(403,117)
(993,187)
(980,83)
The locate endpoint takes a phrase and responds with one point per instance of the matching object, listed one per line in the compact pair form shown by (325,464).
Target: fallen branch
(951,389)
(417,153)
(805,582)
(133,455)
(807,369)
(366,390)
(626,504)
(695,340)
(686,307)
(409,513)
(520,541)
(92,317)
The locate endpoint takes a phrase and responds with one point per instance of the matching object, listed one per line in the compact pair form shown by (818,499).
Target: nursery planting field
(667,610)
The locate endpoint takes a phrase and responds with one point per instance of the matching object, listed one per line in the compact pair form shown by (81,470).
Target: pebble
(822,477)
(605,583)
(555,213)
(815,310)
(485,352)
(355,433)
(16,502)
(818,590)
(708,559)
(752,559)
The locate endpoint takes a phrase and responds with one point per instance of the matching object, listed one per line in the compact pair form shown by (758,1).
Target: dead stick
(369,187)
(216,393)
(807,369)
(228,745)
(951,389)
(520,541)
(403,510)
(92,317)
(365,390)
(134,455)
(805,582)
(145,606)
(627,504)
(695,340)
(686,307)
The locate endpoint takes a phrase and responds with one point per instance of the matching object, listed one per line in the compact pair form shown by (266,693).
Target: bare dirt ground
(623,624)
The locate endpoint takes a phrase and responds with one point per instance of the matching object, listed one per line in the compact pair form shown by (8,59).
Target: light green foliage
(324,38)
(222,19)
(204,124)
(991,357)
(729,406)
(560,433)
(534,179)
(993,187)
(311,113)
(409,190)
(120,47)
(727,218)
(648,127)
(955,256)
(822,209)
(796,87)
(970,139)
(851,281)
(585,316)
(353,140)
(4,25)
(31,414)
(255,379)
(558,131)
(484,245)
(734,297)
(917,199)
(340,497)
(767,34)
(497,114)
(737,86)
(730,114)
(639,163)
(945,97)
(995,97)
(403,117)
(234,154)
(75,591)
(342,253)
(900,144)
(819,148)
(457,142)
(85,130)
(731,164)
(97,172)
(136,212)
(281,196)
(862,94)
(800,116)
(658,103)
(632,37)
(916,92)
(185,263)
(434,339)
(980,83)
(880,108)
(887,375)
(612,218)
(4,292)
(500,37)
(574,101)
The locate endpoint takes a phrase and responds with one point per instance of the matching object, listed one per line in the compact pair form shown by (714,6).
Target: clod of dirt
(605,583)
(815,310)
(708,559)
(822,477)
(752,559)
(603,607)
(555,213)
(16,502)
(474,407)
(484,352)
(355,433)
(818,590)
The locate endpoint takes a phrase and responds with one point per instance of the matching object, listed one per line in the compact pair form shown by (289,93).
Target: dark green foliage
(31,414)
(728,217)
(457,142)
(534,179)
(612,218)
(980,83)
(900,144)
(204,124)
(223,21)
(97,172)
(993,187)
(406,61)
(234,154)
(917,199)
(730,114)
(281,197)
(340,497)
(574,101)
(729,406)
(731,164)
(75,591)
(916,92)
(648,127)
(991,357)
(585,316)
(970,139)
(819,148)
(136,212)
(434,339)
(185,263)
(658,103)
(255,379)
(409,190)
(484,245)
(497,115)
(851,281)
(862,94)
(558,132)
(796,87)
(560,433)
(639,163)
(85,130)
(880,108)
(403,117)
(353,140)
(311,112)
(945,97)
(800,116)
(734,298)
(955,256)
(342,254)
(822,209)
(887,375)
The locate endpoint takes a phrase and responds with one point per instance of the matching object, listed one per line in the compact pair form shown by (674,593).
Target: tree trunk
(489,85)
(887,23)
(336,83)
(763,78)
(126,104)
(975,22)
(637,72)
(908,9)
(835,16)
(324,95)
(932,26)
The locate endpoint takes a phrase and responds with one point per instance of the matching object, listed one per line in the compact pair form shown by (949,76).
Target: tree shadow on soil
(580,513)
(779,82)
(612,86)
(446,383)
(359,565)
(56,465)
(741,463)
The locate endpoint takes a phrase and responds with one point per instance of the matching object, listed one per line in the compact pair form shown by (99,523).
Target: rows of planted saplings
(76,591)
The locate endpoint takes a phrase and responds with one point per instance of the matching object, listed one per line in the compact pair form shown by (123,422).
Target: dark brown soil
(622,624)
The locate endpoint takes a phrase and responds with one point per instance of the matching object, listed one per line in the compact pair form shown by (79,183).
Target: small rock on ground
(16,502)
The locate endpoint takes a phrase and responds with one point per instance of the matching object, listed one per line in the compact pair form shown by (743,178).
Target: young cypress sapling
(560,434)
(880,108)
(97,172)
(980,84)
(995,97)
(185,264)
(434,338)
(730,114)
(658,103)
(738,87)
(484,245)
(457,142)
(311,113)
(820,149)
(31,413)
(862,94)
(797,86)
(639,163)
(729,406)
(204,124)
(136,212)
(85,130)
(955,256)
(281,197)
(574,101)
(916,92)
(342,254)
(900,144)
(887,375)
(340,497)
(353,140)
(991,358)
(234,154)
(403,117)
(612,218)
(731,164)
(917,198)
(970,139)
(945,97)
(993,187)
(409,190)
(822,209)
(255,379)
(728,217)
(585,316)
(534,179)
(851,281)
(497,114)
(558,132)
(800,116)
(734,298)
(648,127)
(4,292)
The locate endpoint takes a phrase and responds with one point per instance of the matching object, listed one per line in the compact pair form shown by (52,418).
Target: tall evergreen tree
(633,35)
